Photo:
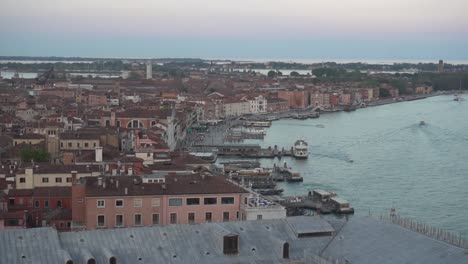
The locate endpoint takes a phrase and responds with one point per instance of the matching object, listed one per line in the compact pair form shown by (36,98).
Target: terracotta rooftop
(175,185)
(54,169)
(29,136)
(78,135)
(42,192)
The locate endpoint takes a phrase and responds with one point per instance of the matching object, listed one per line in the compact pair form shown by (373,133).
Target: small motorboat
(422,123)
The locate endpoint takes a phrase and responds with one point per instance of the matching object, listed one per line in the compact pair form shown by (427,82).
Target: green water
(420,170)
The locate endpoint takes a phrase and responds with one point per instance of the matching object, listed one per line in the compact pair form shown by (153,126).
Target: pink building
(123,201)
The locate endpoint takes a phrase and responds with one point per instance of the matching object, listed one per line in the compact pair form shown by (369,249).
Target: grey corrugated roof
(37,245)
(361,240)
(368,240)
(307,224)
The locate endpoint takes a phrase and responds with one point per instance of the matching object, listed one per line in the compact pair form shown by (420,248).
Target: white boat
(301,149)
(255,131)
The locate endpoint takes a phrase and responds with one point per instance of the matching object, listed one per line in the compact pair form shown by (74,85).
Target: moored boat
(300,149)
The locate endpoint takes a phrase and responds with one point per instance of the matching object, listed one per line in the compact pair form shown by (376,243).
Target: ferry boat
(300,149)
(208,156)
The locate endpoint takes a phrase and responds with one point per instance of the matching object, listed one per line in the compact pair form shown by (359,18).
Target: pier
(321,201)
(244,150)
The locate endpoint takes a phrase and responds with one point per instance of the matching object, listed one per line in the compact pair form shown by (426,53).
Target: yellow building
(29,139)
(53,175)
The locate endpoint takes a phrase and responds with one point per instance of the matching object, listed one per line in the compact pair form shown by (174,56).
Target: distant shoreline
(48,59)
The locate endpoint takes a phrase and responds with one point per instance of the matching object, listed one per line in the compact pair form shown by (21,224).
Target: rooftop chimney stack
(126,191)
(99,154)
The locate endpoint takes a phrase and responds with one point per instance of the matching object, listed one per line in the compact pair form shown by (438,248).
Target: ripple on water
(421,170)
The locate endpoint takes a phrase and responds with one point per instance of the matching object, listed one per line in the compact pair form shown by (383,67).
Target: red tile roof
(175,185)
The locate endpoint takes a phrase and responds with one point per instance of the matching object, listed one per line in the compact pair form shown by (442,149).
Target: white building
(255,207)
(258,105)
(236,108)
(133,98)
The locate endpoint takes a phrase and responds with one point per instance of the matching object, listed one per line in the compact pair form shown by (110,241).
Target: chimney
(104,184)
(117,184)
(99,181)
(98,152)
(73,174)
(126,191)
(130,171)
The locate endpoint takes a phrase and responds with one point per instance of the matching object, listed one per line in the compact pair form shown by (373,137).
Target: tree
(400,84)
(384,93)
(37,155)
(134,76)
(294,74)
(271,74)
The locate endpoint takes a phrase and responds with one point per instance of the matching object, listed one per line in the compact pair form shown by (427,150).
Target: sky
(236,29)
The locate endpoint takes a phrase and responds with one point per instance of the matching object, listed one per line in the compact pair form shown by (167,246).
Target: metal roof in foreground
(359,240)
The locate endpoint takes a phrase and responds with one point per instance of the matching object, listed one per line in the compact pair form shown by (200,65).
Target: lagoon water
(422,171)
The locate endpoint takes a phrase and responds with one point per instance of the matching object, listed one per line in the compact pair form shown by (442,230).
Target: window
(191,218)
(59,204)
(69,179)
(227,200)
(137,220)
(259,217)
(37,204)
(118,124)
(237,215)
(22,180)
(208,217)
(155,219)
(209,201)
(21,201)
(193,201)
(119,203)
(173,218)
(12,201)
(286,250)
(225,216)
(230,244)
(101,221)
(45,180)
(175,202)
(46,204)
(155,202)
(137,202)
(86,144)
(61,144)
(58,180)
(94,144)
(78,144)
(69,144)
(101,204)
(119,221)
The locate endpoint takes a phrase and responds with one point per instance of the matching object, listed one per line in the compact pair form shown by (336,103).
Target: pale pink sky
(431,27)
(235,17)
